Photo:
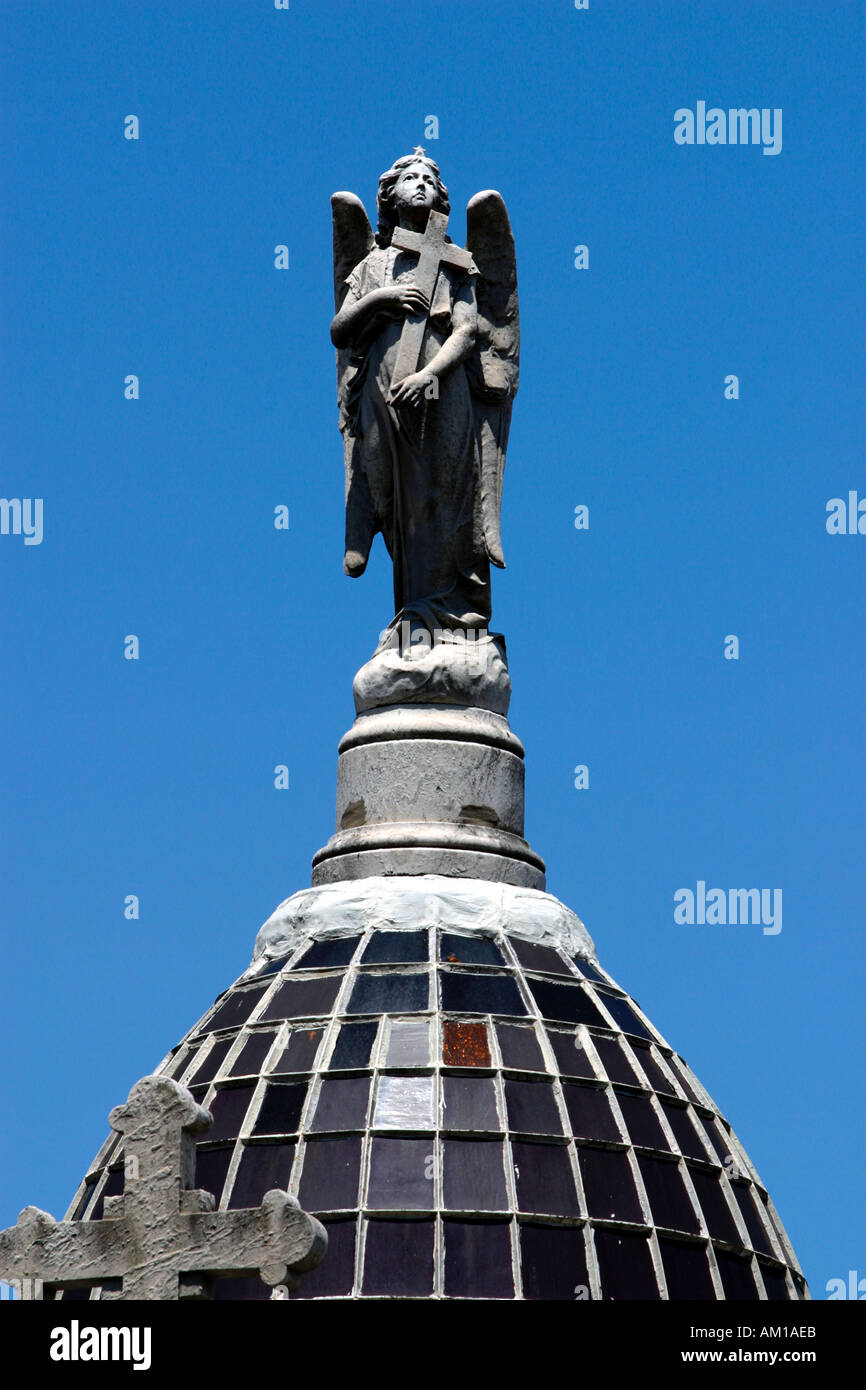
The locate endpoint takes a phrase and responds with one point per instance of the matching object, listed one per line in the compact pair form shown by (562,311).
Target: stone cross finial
(433,251)
(162,1239)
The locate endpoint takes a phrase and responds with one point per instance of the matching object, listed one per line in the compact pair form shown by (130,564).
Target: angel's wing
(493,366)
(353,239)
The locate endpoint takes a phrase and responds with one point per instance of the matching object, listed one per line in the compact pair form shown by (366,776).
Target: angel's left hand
(412,389)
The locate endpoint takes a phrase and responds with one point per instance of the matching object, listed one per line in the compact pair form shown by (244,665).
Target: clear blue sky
(707,518)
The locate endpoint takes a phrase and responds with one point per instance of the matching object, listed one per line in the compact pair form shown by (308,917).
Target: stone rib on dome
(472,1114)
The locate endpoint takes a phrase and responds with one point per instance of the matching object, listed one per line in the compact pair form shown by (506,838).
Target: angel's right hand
(404,299)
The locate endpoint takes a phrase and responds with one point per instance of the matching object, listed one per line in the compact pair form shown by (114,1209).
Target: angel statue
(427,339)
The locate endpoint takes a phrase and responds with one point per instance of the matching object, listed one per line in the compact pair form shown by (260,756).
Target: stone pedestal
(430,789)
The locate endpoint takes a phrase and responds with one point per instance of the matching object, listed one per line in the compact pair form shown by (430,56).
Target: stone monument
(162,1239)
(430,776)
(425,1051)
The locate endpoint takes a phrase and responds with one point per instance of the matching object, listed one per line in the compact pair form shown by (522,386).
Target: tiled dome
(470,1116)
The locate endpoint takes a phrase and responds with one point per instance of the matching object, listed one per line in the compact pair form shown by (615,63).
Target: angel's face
(416,187)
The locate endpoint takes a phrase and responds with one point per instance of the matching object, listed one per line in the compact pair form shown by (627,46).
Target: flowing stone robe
(422,463)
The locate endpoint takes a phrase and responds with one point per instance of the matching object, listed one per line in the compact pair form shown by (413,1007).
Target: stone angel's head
(413,180)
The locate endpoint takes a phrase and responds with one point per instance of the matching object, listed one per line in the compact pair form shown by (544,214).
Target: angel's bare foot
(354,563)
